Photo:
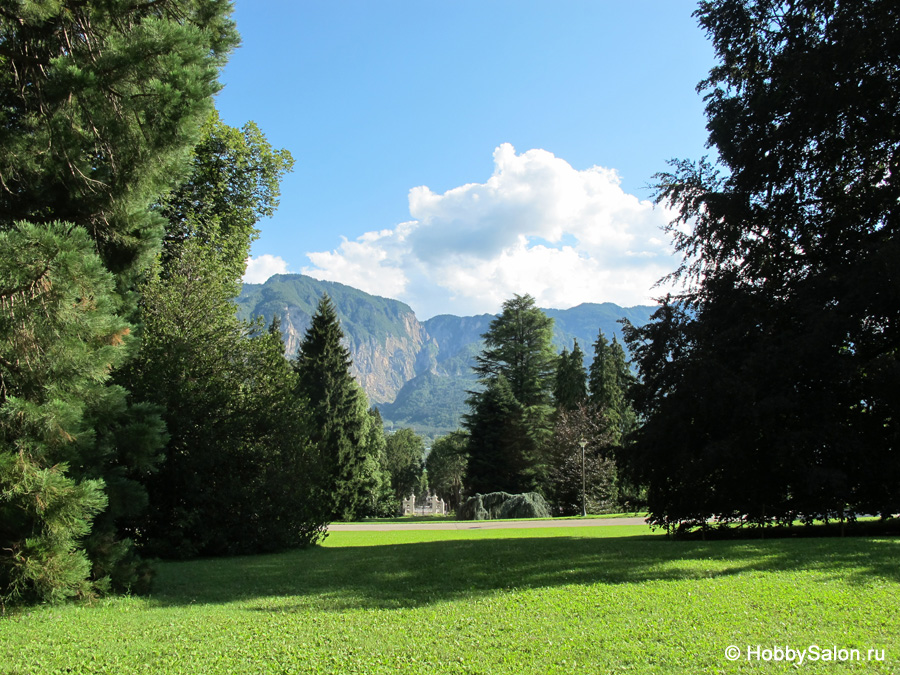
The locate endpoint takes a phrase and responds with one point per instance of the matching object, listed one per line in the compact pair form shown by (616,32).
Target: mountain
(384,336)
(417,373)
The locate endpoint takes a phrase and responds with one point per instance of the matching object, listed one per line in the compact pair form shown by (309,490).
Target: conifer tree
(336,429)
(196,355)
(59,339)
(570,387)
(502,452)
(517,368)
(519,346)
(769,386)
(609,380)
(101,104)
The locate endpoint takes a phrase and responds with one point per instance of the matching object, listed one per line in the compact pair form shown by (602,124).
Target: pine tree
(59,339)
(102,102)
(335,426)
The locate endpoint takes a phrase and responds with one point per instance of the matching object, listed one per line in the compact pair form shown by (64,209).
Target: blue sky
(452,153)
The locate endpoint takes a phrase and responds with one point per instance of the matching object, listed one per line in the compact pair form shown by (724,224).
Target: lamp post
(582,443)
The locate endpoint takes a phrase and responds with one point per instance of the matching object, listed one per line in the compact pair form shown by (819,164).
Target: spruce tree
(570,387)
(336,428)
(609,380)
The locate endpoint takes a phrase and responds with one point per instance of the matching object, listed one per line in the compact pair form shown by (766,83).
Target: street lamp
(582,443)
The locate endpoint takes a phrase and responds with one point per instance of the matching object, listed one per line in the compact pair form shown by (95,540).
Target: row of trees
(533,409)
(138,415)
(101,108)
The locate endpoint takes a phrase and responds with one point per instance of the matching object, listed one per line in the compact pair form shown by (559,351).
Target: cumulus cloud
(262,267)
(537,226)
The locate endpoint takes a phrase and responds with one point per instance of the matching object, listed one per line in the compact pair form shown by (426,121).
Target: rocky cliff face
(384,336)
(417,373)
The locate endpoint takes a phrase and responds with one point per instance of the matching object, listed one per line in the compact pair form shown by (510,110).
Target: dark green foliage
(503,505)
(101,103)
(769,387)
(404,462)
(235,477)
(570,387)
(518,345)
(62,459)
(237,474)
(509,422)
(432,402)
(503,452)
(380,501)
(446,465)
(234,182)
(336,428)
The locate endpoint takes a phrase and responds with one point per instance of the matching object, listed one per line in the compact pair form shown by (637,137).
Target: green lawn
(584,600)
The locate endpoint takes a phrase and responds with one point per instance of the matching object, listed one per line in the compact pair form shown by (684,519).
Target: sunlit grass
(582,600)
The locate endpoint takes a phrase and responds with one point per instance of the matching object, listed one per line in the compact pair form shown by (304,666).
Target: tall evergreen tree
(570,387)
(769,385)
(517,361)
(502,451)
(519,346)
(336,429)
(101,104)
(60,464)
(604,381)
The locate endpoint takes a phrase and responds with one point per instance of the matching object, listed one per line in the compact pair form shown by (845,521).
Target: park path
(484,524)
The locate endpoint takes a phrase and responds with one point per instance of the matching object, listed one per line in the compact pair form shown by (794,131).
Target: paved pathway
(484,524)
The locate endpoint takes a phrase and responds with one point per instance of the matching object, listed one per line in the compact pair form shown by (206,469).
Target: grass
(581,600)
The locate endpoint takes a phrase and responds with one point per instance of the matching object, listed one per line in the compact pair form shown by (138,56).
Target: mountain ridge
(416,372)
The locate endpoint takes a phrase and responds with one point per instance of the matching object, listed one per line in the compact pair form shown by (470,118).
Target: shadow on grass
(417,574)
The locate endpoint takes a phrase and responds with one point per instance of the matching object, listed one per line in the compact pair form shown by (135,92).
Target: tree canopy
(766,384)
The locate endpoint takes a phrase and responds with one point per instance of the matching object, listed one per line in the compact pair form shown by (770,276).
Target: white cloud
(537,226)
(261,268)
